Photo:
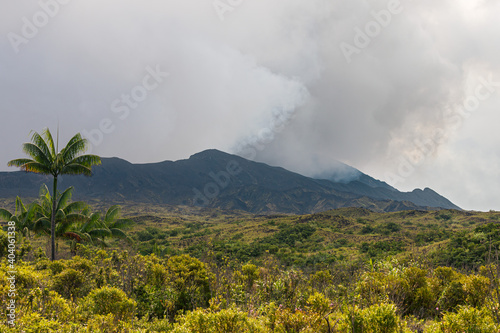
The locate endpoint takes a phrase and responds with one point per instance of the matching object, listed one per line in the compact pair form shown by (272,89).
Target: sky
(405,91)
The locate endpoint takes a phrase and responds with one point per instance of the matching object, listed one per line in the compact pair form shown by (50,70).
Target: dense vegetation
(347,270)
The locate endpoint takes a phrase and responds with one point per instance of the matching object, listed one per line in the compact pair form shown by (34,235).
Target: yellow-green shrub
(467,319)
(109,300)
(71,284)
(378,318)
(224,321)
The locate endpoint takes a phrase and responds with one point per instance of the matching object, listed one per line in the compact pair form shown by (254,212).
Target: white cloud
(229,80)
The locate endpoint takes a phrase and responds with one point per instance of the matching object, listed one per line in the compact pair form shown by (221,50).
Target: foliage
(224,321)
(466,319)
(109,300)
(217,273)
(46,159)
(116,292)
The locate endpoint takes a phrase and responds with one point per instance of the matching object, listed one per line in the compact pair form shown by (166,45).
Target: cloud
(271,75)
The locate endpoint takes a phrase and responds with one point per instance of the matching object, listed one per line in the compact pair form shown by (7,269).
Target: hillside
(447,237)
(213,179)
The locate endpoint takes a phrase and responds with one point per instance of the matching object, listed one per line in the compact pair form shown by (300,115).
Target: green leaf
(19,162)
(42,145)
(112,214)
(75,206)
(49,141)
(5,214)
(100,233)
(87,160)
(76,169)
(122,224)
(76,146)
(65,198)
(36,153)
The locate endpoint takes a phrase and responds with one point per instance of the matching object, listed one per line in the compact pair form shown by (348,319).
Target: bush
(50,305)
(191,281)
(291,321)
(225,321)
(467,319)
(56,267)
(110,300)
(378,318)
(70,284)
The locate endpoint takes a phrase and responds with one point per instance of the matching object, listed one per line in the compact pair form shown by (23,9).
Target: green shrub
(80,264)
(34,322)
(191,281)
(110,300)
(467,319)
(56,267)
(70,284)
(477,289)
(453,295)
(295,321)
(50,305)
(224,321)
(378,318)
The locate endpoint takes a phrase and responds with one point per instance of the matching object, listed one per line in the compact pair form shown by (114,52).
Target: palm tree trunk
(53,222)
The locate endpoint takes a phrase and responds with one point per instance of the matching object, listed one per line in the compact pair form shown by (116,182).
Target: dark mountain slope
(216,179)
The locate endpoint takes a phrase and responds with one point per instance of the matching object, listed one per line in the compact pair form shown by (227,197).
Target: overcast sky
(406,91)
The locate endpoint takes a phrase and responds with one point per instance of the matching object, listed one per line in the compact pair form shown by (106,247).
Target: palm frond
(42,225)
(86,237)
(76,218)
(19,162)
(65,197)
(43,190)
(63,227)
(122,224)
(87,160)
(118,233)
(33,166)
(32,210)
(85,226)
(76,206)
(95,217)
(86,211)
(38,140)
(50,141)
(60,215)
(76,146)
(76,169)
(20,208)
(112,214)
(99,233)
(77,137)
(102,242)
(5,215)
(36,153)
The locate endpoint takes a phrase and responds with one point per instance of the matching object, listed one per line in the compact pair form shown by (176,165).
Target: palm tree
(95,230)
(67,213)
(46,159)
(115,225)
(22,216)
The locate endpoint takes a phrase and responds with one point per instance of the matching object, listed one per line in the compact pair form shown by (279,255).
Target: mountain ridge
(215,179)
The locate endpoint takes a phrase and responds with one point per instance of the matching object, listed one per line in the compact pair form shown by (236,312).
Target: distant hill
(215,179)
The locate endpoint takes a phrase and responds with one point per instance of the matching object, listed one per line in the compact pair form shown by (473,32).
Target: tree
(115,225)
(67,213)
(46,159)
(22,216)
(93,229)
